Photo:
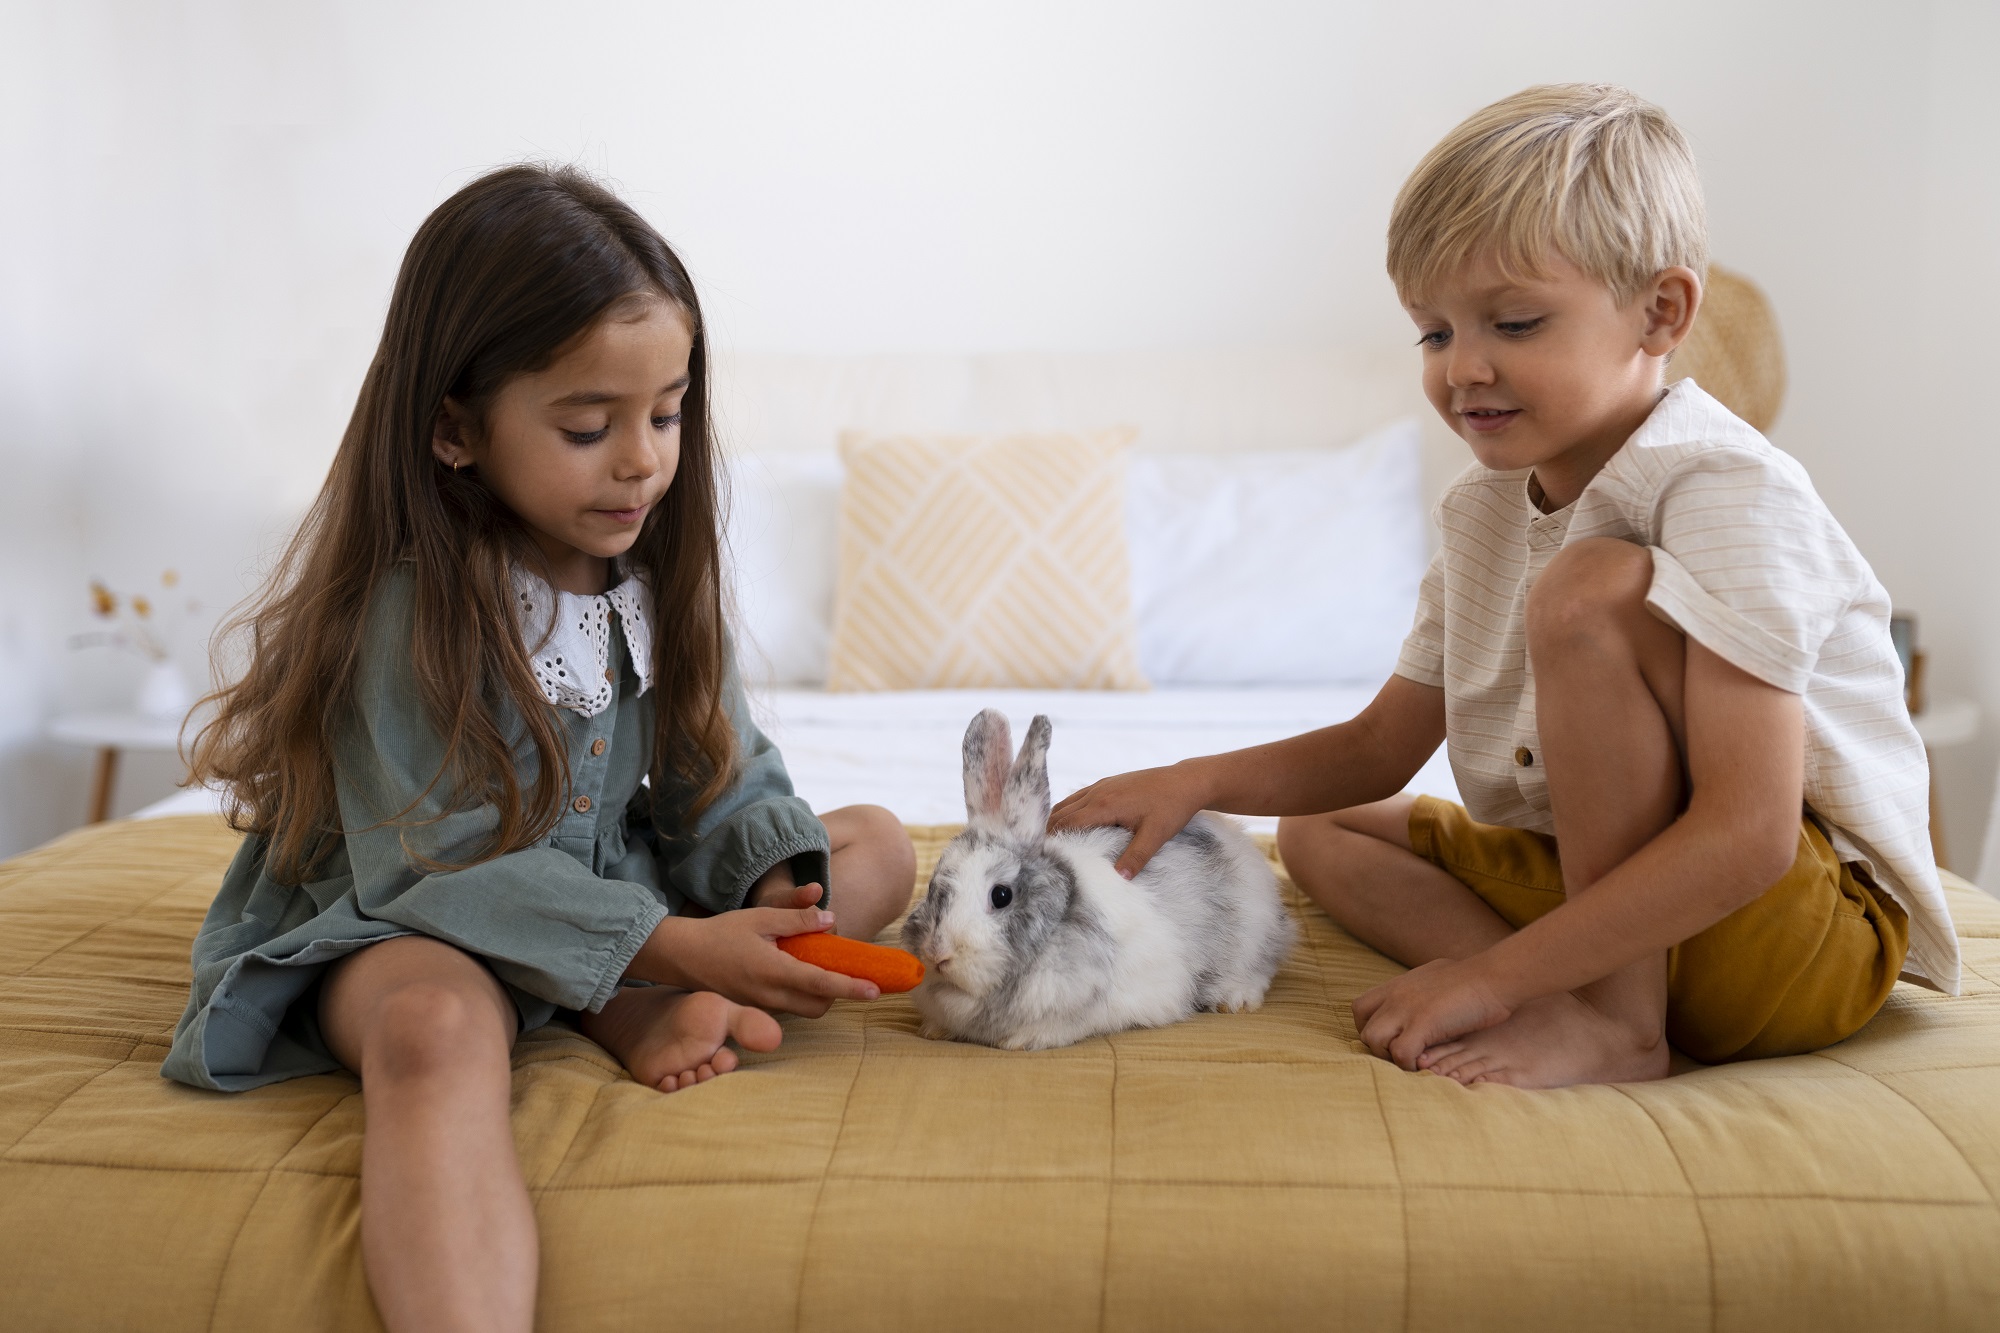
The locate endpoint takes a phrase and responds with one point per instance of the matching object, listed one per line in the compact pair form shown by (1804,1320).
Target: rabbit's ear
(1027,803)
(988,743)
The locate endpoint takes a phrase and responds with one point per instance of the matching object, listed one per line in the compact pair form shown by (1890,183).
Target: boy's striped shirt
(1747,561)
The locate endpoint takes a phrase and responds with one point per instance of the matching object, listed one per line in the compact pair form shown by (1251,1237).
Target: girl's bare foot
(672,1039)
(1551,1043)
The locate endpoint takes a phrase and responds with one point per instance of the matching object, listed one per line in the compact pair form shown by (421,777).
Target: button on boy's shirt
(1748,562)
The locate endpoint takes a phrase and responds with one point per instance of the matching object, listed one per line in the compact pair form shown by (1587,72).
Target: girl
(491,752)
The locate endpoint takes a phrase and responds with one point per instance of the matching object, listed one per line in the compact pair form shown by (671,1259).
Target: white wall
(206,203)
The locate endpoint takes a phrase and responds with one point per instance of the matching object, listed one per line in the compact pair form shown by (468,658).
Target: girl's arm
(758,859)
(1369,758)
(716,857)
(735,954)
(539,917)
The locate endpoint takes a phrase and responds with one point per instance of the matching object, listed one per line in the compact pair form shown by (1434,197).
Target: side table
(109,733)
(1946,723)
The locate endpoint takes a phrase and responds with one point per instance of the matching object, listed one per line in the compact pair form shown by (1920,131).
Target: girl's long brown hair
(500,280)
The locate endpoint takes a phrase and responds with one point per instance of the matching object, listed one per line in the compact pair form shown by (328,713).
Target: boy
(1662,669)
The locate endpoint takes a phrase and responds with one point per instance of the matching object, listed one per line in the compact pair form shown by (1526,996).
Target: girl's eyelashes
(593,436)
(1518,328)
(1434,339)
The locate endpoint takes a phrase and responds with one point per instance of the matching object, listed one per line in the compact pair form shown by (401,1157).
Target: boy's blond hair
(1598,173)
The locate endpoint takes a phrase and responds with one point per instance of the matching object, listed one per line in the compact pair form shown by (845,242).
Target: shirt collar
(567,637)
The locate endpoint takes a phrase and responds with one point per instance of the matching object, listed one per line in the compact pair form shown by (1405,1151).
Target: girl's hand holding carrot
(733,955)
(890,969)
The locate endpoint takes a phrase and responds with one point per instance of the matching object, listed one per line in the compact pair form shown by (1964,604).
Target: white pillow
(782,545)
(1291,567)
(1298,566)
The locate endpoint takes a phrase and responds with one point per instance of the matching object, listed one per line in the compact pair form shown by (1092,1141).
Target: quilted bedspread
(1232,1172)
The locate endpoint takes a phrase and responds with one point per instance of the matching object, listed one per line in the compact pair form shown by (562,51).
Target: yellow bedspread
(1236,1171)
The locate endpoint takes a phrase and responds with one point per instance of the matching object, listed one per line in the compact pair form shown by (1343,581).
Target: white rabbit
(1031,940)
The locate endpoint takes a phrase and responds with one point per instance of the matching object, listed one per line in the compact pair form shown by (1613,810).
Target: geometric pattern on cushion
(984,562)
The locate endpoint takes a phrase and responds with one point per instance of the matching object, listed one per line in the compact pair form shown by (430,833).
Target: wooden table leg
(100,790)
(1937,821)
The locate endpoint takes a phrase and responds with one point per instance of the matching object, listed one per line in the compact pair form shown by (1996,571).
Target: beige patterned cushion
(984,562)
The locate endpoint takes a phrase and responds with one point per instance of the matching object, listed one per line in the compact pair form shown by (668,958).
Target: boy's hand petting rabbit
(1033,940)
(1154,803)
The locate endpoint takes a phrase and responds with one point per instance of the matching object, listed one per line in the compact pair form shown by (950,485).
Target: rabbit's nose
(942,961)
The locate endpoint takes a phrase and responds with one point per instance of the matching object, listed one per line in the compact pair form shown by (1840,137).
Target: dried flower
(150,631)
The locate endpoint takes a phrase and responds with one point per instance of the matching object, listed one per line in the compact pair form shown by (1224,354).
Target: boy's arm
(1739,834)
(1365,759)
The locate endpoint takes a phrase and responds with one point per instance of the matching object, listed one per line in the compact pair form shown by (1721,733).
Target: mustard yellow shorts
(1800,968)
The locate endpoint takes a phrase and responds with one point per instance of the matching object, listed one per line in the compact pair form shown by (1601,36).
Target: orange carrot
(891,969)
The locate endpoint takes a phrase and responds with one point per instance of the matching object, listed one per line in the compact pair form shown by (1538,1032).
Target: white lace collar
(571,658)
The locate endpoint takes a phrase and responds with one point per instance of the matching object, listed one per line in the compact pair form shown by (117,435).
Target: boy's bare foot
(672,1039)
(1552,1042)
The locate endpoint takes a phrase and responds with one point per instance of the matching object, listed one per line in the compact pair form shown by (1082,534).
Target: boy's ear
(451,435)
(1671,303)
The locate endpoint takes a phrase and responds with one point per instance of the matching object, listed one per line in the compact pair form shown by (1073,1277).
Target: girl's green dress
(558,922)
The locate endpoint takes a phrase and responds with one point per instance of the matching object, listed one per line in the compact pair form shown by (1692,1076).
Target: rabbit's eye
(1003,894)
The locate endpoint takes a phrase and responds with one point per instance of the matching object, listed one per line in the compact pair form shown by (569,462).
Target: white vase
(164,692)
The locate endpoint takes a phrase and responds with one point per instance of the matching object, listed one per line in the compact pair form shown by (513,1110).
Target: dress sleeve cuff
(1676,598)
(809,861)
(628,949)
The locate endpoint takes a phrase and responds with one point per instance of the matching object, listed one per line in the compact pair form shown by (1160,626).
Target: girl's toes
(755,1030)
(723,1060)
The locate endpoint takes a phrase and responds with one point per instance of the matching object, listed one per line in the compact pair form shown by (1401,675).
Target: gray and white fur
(1031,940)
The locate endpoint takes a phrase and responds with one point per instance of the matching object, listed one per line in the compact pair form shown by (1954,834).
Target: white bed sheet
(900,749)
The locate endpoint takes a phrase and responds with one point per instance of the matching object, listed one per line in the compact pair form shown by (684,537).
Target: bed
(1255,1171)
(1232,1172)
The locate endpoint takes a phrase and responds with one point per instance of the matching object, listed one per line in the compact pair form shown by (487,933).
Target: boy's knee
(1589,590)
(1329,862)
(1318,851)
(1293,833)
